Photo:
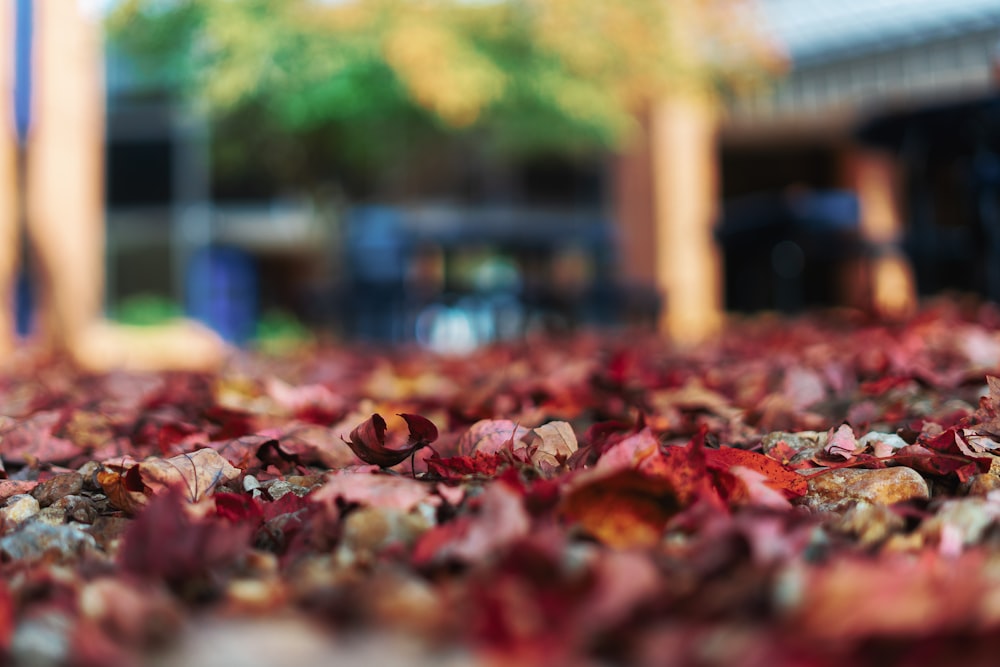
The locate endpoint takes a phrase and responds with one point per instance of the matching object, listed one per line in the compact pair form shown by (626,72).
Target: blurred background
(457,173)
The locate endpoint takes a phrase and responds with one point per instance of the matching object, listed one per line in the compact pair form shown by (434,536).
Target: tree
(354,86)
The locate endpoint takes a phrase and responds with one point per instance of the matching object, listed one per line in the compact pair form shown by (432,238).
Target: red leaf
(368,440)
(458,467)
(164,541)
(236,507)
(686,469)
(422,430)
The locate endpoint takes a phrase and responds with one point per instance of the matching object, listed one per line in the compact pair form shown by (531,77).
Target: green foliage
(279,332)
(297,81)
(147,310)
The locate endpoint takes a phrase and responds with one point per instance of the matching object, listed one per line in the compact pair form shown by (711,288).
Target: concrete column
(891,286)
(65,169)
(685,190)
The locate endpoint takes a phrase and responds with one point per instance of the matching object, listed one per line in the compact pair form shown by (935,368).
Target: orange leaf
(778,477)
(626,509)
(125,490)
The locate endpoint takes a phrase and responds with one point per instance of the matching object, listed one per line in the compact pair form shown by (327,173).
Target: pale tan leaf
(556,442)
(198,473)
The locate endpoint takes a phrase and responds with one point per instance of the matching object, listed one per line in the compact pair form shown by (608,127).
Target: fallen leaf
(625,509)
(367,440)
(197,474)
(842,444)
(191,554)
(555,443)
(374,490)
(460,467)
(497,518)
(490,436)
(685,467)
(775,475)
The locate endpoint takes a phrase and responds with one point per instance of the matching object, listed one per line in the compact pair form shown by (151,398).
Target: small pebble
(53,489)
(19,508)
(89,472)
(870,524)
(76,508)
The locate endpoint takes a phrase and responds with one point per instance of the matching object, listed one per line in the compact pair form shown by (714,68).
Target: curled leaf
(422,430)
(842,444)
(368,440)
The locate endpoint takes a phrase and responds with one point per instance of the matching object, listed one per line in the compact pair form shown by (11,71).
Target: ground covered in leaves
(817,492)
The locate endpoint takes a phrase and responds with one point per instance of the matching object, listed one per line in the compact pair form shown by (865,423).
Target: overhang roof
(819,31)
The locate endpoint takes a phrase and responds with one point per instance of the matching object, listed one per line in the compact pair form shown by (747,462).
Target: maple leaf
(771,473)
(497,519)
(367,440)
(685,467)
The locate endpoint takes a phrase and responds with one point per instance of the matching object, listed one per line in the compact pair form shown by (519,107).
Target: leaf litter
(820,491)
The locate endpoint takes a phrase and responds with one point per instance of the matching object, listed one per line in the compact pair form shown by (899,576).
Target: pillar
(685,190)
(65,169)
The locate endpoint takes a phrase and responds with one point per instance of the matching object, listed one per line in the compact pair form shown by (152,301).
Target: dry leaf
(556,442)
(197,474)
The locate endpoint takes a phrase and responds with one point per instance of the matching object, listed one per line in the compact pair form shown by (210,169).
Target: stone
(37,539)
(89,472)
(369,530)
(76,508)
(279,488)
(966,518)
(52,517)
(54,488)
(838,489)
(870,524)
(980,484)
(43,641)
(107,531)
(19,508)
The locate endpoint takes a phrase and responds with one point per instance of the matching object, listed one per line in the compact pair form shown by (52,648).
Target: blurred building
(826,184)
(892,102)
(173,237)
